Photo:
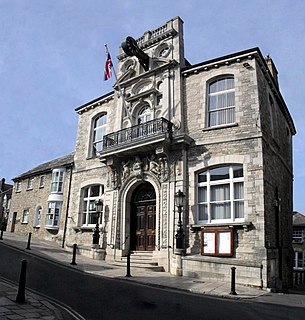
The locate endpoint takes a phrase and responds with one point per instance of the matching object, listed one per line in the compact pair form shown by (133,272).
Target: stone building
(298,243)
(5,200)
(218,131)
(40,200)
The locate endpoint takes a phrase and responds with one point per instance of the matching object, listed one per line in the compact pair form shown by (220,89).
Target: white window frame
(18,186)
(85,209)
(208,184)
(30,183)
(57,184)
(53,215)
(297,235)
(298,261)
(144,115)
(99,129)
(25,216)
(37,218)
(223,111)
(42,180)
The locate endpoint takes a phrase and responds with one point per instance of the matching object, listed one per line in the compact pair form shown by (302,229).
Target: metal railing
(139,132)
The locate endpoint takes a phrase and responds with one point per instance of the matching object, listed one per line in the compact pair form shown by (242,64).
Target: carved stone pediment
(136,168)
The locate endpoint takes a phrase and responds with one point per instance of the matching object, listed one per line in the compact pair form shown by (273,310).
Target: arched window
(144,114)
(221,102)
(37,218)
(88,212)
(99,129)
(220,194)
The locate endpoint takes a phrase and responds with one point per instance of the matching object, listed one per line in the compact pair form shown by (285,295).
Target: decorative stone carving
(157,166)
(137,167)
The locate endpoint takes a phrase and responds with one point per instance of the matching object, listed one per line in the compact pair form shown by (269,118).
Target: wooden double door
(143,220)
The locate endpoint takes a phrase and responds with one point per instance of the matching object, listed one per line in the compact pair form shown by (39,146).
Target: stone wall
(33,199)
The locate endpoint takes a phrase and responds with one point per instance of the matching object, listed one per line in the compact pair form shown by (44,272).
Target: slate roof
(298,219)
(64,161)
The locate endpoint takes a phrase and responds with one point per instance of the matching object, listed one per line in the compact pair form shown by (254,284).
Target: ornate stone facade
(219,131)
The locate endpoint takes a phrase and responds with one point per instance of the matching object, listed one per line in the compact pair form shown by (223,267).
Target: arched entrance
(143,218)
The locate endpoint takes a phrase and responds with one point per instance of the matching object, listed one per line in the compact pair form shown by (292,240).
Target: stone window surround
(82,199)
(30,183)
(218,161)
(25,216)
(208,184)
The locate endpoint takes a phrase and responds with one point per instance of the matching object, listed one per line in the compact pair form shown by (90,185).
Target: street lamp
(96,233)
(179,202)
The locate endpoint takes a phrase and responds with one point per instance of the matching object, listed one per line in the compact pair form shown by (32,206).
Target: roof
(298,219)
(64,161)
(95,100)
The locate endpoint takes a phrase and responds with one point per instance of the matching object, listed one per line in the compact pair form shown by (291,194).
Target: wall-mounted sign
(217,241)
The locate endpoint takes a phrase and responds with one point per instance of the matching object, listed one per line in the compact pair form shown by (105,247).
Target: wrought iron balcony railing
(141,132)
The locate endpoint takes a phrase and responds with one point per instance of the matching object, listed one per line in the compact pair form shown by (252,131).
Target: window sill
(29,189)
(223,126)
(36,227)
(52,227)
(24,222)
(84,228)
(245,225)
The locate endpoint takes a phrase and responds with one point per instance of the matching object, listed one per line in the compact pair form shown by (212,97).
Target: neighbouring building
(5,200)
(40,200)
(298,241)
(217,132)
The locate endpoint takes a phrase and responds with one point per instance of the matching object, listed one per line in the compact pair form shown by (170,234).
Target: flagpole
(120,89)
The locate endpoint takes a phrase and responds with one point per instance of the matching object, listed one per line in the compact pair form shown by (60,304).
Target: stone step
(151,266)
(140,259)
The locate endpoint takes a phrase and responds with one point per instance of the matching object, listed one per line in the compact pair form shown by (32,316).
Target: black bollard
(74,255)
(128,266)
(29,241)
(21,289)
(233,292)
(1,235)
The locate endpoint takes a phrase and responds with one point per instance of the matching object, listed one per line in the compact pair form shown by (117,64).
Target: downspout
(67,210)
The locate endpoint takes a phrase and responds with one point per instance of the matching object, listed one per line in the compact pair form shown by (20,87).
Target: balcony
(142,137)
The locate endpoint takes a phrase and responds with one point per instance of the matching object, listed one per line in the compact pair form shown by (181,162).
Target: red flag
(108,67)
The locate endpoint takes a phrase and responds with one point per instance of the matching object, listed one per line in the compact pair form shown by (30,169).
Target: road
(101,298)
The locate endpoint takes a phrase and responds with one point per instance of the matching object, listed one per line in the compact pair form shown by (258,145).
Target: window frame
(42,181)
(209,184)
(53,206)
(297,259)
(18,186)
(30,183)
(57,182)
(95,129)
(85,213)
(25,216)
(37,218)
(218,94)
(297,235)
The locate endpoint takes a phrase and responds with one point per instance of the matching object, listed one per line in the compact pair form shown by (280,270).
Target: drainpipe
(67,210)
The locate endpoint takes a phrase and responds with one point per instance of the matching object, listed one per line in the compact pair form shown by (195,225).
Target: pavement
(38,306)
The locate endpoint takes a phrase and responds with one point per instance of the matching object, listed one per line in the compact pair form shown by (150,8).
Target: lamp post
(179,202)
(96,232)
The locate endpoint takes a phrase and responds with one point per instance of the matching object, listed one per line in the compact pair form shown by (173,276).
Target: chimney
(272,69)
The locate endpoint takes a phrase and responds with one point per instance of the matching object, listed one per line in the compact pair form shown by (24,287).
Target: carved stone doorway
(143,218)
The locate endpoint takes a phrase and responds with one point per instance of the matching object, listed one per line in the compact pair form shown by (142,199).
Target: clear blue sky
(52,58)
